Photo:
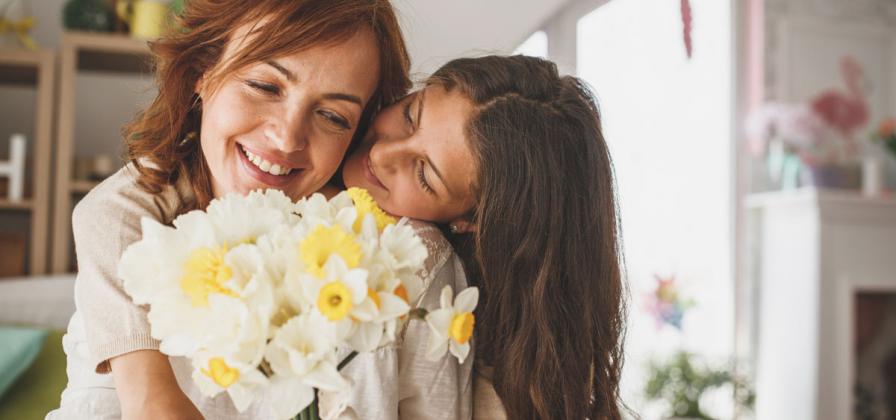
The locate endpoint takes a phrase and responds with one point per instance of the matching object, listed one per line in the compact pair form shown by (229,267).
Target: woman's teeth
(266,166)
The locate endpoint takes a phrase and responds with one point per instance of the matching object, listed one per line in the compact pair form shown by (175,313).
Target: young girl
(252,94)
(510,156)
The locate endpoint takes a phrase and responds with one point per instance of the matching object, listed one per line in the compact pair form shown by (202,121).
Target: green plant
(682,380)
(886,135)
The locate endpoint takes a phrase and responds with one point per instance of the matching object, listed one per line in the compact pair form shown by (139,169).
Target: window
(536,45)
(667,121)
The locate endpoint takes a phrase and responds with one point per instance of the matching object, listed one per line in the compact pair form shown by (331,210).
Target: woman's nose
(289,132)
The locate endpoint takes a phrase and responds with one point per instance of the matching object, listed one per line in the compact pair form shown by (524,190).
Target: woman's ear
(461,225)
(200,83)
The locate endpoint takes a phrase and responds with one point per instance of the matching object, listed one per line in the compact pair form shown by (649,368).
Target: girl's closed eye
(407,114)
(421,177)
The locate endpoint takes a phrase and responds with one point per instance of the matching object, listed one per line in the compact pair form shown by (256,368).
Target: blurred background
(753,144)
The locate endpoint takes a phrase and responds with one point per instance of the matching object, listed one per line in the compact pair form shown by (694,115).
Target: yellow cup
(146,18)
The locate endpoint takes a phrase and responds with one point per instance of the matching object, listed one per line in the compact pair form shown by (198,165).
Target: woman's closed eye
(264,87)
(335,119)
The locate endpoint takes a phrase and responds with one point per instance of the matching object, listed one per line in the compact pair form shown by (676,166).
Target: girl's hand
(147,388)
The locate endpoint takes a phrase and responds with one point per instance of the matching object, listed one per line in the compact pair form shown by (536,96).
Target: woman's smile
(265,168)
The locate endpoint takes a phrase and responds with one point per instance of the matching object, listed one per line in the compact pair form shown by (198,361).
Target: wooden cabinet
(34,68)
(82,52)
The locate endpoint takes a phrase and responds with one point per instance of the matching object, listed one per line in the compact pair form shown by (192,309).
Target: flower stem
(346,360)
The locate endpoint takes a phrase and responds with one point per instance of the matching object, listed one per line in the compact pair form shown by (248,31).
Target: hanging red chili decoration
(687,25)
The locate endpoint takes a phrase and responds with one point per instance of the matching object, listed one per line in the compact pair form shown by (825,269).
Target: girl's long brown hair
(546,251)
(279,27)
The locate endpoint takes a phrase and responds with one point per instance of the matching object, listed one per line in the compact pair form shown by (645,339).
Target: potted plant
(682,380)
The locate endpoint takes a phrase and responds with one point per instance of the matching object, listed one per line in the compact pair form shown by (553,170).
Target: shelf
(821,195)
(109,53)
(24,205)
(82,186)
(21,67)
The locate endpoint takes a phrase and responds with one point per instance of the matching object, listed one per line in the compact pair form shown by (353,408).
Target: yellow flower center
(462,327)
(374,297)
(205,273)
(222,374)
(334,300)
(402,292)
(323,242)
(365,205)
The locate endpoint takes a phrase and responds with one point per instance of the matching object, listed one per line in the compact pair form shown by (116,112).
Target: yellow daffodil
(222,374)
(364,204)
(205,272)
(315,250)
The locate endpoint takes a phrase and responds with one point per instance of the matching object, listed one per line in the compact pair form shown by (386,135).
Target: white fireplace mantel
(812,250)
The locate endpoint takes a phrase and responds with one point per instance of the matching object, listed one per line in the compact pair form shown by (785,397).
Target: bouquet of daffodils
(260,292)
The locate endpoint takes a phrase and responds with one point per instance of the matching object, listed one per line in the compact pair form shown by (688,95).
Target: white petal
(460,351)
(366,311)
(439,322)
(356,280)
(288,396)
(366,337)
(179,345)
(466,300)
(391,306)
(446,297)
(242,396)
(325,377)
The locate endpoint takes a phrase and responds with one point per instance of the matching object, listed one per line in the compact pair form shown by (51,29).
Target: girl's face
(286,123)
(416,160)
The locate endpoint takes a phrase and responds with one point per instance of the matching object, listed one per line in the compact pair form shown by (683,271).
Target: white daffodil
(317,210)
(452,325)
(240,219)
(243,382)
(341,295)
(402,248)
(389,305)
(232,347)
(302,357)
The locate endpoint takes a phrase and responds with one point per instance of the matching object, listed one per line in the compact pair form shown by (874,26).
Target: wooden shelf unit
(83,52)
(24,205)
(37,69)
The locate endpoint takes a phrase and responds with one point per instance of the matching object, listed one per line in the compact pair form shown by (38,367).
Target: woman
(511,157)
(258,94)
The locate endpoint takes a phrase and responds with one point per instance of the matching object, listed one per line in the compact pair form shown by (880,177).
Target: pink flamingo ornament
(845,111)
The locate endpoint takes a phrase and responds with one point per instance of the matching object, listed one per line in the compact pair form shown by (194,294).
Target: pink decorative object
(687,24)
(846,111)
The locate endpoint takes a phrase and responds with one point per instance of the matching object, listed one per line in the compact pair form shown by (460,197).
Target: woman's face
(286,123)
(416,160)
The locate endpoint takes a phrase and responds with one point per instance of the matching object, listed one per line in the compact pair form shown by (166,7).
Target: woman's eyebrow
(289,75)
(344,97)
(335,96)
